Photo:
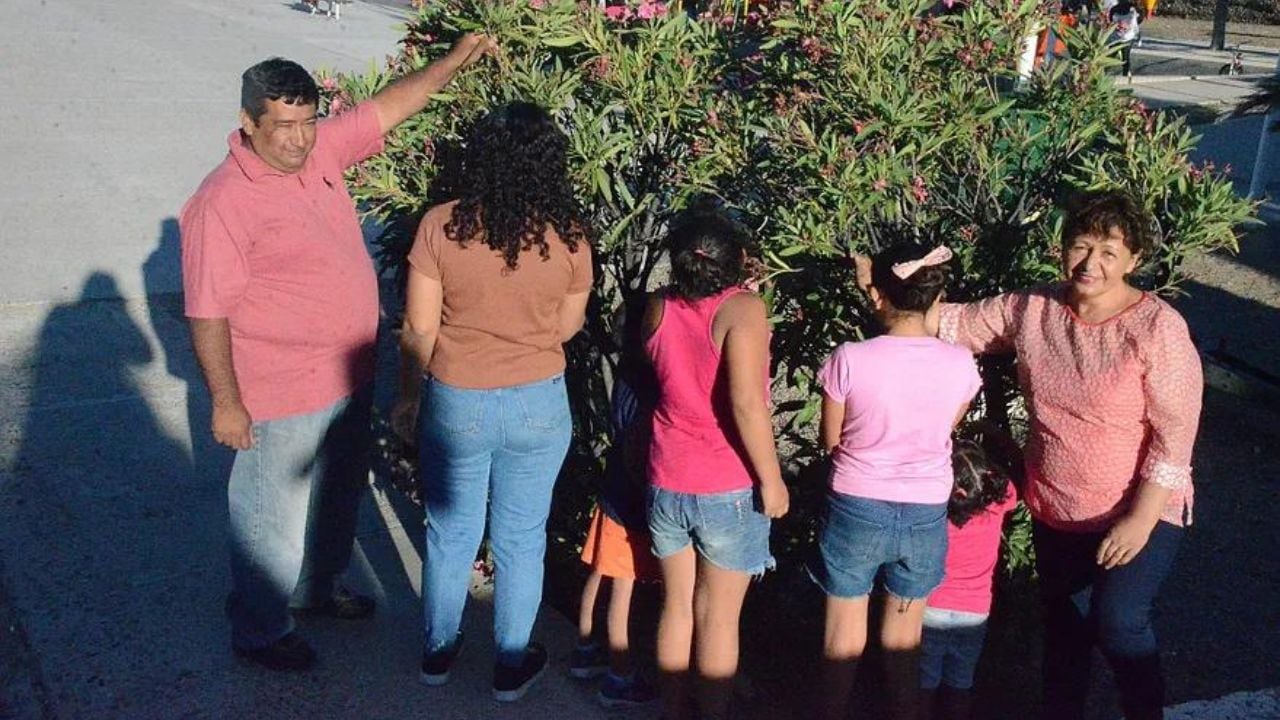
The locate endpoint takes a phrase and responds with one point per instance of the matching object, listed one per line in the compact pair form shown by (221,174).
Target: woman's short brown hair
(1100,212)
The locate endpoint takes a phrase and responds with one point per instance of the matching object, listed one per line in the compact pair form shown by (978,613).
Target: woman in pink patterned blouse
(1113,385)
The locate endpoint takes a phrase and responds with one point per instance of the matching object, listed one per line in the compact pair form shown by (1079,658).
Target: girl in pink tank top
(713,465)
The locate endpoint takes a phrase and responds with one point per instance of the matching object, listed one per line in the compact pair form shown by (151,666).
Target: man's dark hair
(276,79)
(1098,213)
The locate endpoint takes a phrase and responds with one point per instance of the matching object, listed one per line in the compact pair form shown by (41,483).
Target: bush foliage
(822,124)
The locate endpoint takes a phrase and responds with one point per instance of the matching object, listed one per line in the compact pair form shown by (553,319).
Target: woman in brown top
(498,281)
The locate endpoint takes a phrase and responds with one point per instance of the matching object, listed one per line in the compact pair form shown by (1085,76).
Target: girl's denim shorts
(904,544)
(725,528)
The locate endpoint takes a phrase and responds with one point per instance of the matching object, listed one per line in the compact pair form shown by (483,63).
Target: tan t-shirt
(500,327)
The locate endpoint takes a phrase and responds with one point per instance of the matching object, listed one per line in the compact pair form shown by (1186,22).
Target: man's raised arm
(407,96)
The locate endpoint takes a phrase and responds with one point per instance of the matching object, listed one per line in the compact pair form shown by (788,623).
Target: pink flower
(813,48)
(880,185)
(618,13)
(537,4)
(649,10)
(337,105)
(329,83)
(918,189)
(599,68)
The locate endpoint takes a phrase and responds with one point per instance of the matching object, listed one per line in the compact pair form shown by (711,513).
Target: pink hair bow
(936,256)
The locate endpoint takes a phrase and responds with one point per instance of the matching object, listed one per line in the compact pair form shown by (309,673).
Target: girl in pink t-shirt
(889,407)
(955,620)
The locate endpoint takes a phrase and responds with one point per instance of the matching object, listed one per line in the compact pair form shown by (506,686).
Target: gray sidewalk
(114,112)
(114,549)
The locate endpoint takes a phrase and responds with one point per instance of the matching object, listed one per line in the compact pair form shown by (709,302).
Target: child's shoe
(625,692)
(588,662)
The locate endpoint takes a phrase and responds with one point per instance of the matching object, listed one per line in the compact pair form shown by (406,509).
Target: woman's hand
(404,419)
(862,272)
(1125,540)
(775,498)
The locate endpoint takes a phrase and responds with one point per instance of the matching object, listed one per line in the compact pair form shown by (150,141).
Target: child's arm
(832,423)
(746,353)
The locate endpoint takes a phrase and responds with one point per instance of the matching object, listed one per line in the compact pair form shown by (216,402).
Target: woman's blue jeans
(1085,605)
(496,453)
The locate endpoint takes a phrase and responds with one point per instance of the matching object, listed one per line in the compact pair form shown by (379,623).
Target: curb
(1233,376)
(1158,79)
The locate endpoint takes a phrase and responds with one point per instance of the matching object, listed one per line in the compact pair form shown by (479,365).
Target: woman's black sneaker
(436,665)
(290,652)
(511,683)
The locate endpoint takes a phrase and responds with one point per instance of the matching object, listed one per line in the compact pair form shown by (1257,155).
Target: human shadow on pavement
(103,515)
(209,462)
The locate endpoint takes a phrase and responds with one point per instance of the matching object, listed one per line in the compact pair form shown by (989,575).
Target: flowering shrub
(823,124)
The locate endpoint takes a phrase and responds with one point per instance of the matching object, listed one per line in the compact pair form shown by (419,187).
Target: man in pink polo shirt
(283,304)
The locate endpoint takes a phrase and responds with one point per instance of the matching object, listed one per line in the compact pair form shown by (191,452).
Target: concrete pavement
(114,111)
(112,533)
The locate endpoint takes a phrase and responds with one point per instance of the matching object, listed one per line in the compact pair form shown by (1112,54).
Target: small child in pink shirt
(955,620)
(889,407)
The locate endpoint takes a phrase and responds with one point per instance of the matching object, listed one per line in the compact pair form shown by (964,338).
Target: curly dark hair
(917,292)
(980,481)
(708,251)
(1098,213)
(514,182)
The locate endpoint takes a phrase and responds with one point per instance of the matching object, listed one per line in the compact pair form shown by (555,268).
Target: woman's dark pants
(1085,605)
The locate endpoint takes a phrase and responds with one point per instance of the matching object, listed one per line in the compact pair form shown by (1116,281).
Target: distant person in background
(1126,22)
(283,307)
(335,8)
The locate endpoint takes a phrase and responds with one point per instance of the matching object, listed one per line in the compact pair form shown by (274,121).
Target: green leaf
(563,42)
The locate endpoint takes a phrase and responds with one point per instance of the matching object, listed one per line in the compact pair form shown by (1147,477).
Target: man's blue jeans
(498,450)
(293,499)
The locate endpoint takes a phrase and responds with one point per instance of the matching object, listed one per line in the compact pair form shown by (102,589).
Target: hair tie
(702,253)
(936,256)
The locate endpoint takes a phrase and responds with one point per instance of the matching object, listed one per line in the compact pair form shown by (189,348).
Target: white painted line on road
(409,558)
